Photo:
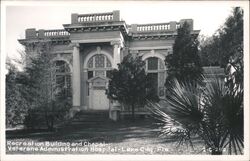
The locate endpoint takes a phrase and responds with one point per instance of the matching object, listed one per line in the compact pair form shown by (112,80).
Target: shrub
(214,113)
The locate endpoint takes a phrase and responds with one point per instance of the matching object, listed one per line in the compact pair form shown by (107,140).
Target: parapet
(32,33)
(95,17)
(160,27)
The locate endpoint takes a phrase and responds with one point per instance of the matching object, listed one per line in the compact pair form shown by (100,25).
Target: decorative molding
(151,48)
(93,27)
(133,51)
(75,44)
(116,42)
(153,54)
(95,40)
(62,52)
(89,55)
(98,49)
(65,60)
(158,36)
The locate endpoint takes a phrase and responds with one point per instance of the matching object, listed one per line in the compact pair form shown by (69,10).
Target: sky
(207,16)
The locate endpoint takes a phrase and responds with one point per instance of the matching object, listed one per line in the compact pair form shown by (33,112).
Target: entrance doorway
(100,100)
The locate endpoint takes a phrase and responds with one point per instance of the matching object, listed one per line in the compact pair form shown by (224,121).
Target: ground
(124,137)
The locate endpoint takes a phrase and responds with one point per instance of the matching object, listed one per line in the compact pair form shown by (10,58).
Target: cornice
(98,27)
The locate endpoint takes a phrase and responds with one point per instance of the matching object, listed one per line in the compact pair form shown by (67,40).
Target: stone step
(88,119)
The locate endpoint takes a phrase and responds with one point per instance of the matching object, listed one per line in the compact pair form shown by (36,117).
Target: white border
(4,4)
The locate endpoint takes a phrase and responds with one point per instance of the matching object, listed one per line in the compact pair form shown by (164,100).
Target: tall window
(156,72)
(62,79)
(99,65)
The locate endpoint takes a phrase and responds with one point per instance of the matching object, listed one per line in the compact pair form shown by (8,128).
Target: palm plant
(214,113)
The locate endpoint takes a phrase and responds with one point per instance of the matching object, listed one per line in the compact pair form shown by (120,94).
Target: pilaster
(116,53)
(76,76)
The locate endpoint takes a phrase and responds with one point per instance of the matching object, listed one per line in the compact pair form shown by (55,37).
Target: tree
(225,48)
(16,104)
(232,45)
(184,64)
(130,85)
(209,49)
(214,113)
(47,104)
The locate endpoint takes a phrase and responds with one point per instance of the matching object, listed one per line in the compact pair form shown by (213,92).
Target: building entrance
(100,100)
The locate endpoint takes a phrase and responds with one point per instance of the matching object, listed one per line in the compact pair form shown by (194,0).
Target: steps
(88,119)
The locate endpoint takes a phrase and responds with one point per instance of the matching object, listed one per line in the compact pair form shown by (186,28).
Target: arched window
(99,65)
(62,79)
(155,69)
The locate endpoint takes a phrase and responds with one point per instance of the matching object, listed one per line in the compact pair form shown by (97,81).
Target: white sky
(207,16)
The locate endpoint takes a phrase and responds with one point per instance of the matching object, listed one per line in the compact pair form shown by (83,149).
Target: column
(84,93)
(115,108)
(76,77)
(116,53)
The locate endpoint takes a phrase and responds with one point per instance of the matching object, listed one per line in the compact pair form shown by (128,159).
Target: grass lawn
(124,137)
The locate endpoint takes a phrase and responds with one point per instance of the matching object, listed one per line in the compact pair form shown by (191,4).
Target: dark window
(99,61)
(60,80)
(90,74)
(68,85)
(62,67)
(152,63)
(63,79)
(108,73)
(153,78)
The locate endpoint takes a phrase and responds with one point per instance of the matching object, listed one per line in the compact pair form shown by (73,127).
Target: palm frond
(213,112)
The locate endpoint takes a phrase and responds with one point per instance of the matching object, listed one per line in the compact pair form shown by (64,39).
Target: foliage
(209,49)
(130,84)
(214,113)
(231,35)
(41,75)
(34,92)
(184,64)
(235,71)
(226,42)
(16,104)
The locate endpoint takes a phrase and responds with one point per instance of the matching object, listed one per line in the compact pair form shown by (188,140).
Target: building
(93,44)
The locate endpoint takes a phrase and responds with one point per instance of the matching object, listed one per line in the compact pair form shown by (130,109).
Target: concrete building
(93,44)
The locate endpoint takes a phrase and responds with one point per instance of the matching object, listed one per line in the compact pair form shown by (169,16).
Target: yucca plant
(213,113)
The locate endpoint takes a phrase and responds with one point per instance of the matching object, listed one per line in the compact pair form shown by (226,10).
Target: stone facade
(93,44)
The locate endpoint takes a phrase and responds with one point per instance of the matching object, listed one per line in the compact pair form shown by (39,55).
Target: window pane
(60,66)
(152,63)
(90,74)
(100,73)
(108,63)
(68,81)
(68,85)
(60,80)
(60,83)
(99,61)
(90,63)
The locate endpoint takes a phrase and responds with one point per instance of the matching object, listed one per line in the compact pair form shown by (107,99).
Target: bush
(34,119)
(213,113)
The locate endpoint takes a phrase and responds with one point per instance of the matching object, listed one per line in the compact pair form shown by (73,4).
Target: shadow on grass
(108,132)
